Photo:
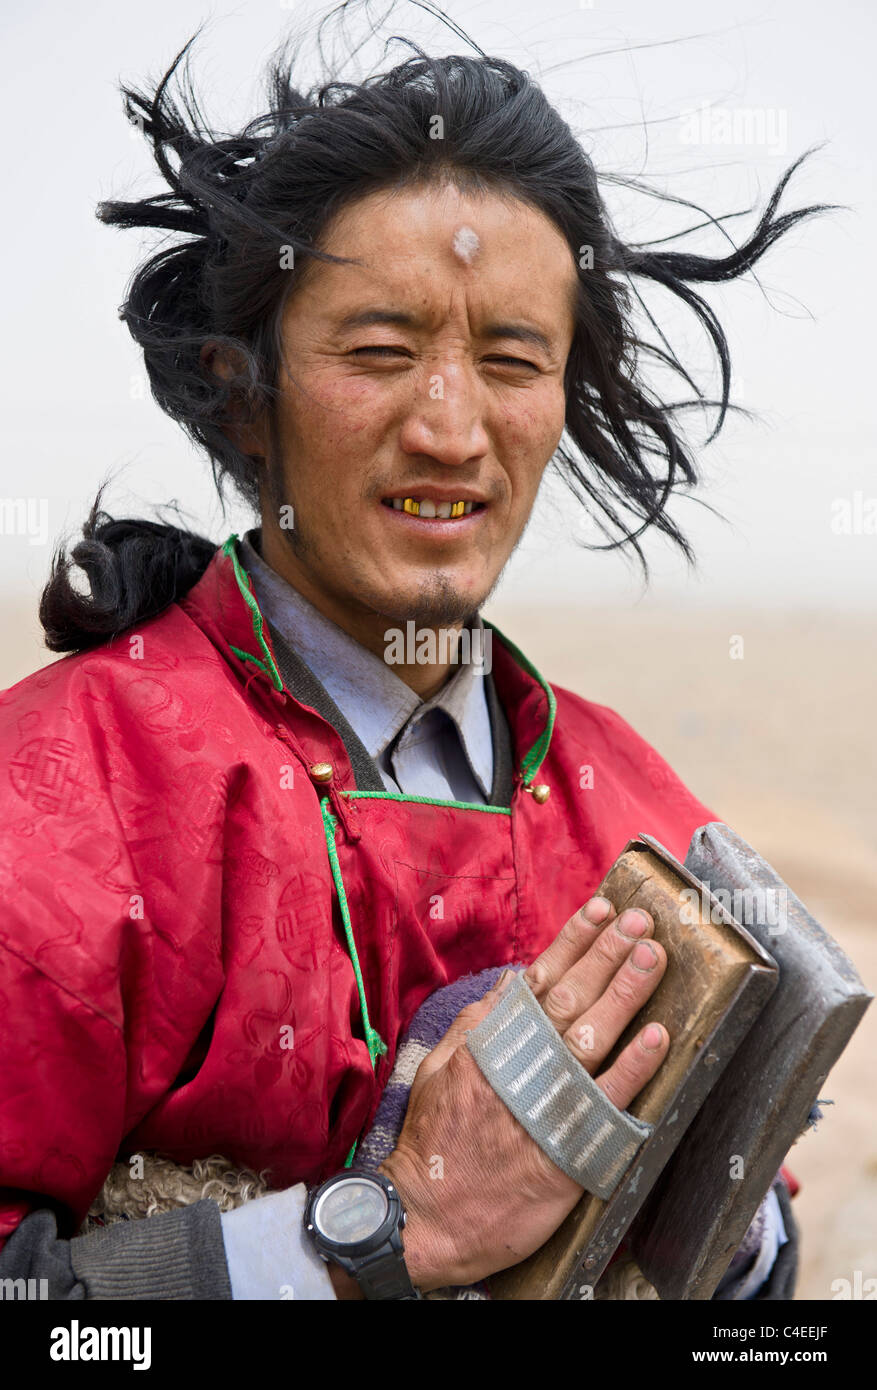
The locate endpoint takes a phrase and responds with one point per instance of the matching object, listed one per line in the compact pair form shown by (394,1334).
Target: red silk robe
(195,927)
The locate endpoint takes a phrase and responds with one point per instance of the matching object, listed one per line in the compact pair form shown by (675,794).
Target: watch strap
(383,1275)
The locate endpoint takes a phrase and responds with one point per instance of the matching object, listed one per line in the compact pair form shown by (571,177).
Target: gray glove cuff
(524,1059)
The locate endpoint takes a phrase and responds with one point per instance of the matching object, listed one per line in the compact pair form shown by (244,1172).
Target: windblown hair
(233,203)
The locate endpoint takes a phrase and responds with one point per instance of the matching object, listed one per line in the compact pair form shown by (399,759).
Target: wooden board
(718,978)
(759,1106)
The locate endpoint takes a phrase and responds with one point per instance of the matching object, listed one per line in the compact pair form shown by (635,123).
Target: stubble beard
(437,603)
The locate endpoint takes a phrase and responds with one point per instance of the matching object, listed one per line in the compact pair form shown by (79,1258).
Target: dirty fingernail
(632,924)
(652,1038)
(643,956)
(597,910)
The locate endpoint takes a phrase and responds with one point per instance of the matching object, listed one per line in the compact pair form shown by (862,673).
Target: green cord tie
(375,1043)
(373,1040)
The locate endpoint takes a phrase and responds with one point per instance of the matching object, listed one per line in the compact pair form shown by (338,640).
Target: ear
(246,435)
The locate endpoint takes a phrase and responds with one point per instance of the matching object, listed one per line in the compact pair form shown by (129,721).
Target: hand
(479,1192)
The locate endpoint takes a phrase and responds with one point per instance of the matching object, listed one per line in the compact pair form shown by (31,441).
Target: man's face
(431,371)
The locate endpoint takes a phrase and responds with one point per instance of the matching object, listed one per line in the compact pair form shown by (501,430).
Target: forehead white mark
(466,244)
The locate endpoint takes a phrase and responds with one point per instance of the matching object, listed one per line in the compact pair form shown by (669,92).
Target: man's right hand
(479,1193)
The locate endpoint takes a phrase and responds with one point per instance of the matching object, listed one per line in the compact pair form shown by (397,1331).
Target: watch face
(351,1211)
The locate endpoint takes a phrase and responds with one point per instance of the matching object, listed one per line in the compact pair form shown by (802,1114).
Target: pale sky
(778,77)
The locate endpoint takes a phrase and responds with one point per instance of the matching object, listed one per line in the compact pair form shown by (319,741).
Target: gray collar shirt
(441,747)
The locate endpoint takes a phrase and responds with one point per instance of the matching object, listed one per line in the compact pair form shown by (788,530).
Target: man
(242,848)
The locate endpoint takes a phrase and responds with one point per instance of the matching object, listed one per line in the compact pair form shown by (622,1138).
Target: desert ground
(781,744)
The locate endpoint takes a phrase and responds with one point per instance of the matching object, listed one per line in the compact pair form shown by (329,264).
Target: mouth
(429,509)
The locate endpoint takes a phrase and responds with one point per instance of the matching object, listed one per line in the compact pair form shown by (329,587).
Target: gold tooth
(412,507)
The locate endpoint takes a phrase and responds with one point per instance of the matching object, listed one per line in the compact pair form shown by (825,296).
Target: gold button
(541,793)
(321,772)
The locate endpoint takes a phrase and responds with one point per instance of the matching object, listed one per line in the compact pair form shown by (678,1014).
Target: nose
(446,419)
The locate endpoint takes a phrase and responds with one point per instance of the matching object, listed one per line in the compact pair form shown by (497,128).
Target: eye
(514,361)
(379,349)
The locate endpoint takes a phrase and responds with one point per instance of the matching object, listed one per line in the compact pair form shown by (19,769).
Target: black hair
(233,202)
(135,568)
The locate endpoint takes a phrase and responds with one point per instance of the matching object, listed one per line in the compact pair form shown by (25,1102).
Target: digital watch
(356,1219)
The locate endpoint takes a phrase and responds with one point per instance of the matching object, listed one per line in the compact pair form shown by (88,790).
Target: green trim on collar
(530,763)
(533,760)
(248,656)
(428,801)
(240,574)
